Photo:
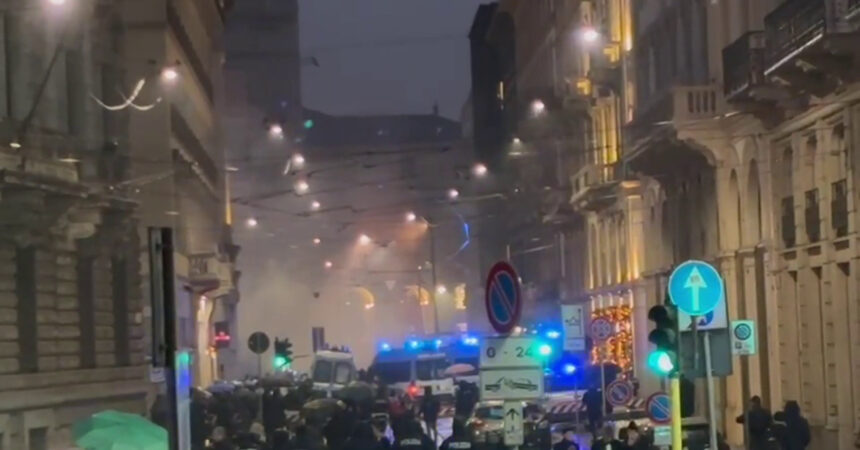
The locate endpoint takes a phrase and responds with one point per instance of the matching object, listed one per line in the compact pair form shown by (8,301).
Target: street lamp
(441,289)
(589,35)
(57,2)
(317,241)
(168,73)
(411,217)
(315,205)
(276,131)
(302,186)
(298,160)
(479,170)
(251,222)
(453,194)
(538,107)
(364,239)
(328,265)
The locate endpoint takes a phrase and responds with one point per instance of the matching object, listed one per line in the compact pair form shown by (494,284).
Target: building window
(839,208)
(812,216)
(38,438)
(25,288)
(119,268)
(86,311)
(788,232)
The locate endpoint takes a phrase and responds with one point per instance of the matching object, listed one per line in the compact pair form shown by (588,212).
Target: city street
(317,224)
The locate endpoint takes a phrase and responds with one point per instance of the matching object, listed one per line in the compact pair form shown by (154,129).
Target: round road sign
(659,408)
(696,288)
(601,329)
(258,342)
(502,298)
(619,393)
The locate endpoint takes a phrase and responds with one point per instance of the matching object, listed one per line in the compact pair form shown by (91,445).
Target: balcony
(810,44)
(662,138)
(211,274)
(812,216)
(789,236)
(743,66)
(593,186)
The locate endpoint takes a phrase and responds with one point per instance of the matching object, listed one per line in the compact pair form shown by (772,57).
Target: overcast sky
(386,56)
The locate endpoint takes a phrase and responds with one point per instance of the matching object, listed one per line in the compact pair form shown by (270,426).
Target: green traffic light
(309,124)
(280,361)
(661,362)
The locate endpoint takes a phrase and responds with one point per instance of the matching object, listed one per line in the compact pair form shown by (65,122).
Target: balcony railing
(791,26)
(677,105)
(839,208)
(743,63)
(789,237)
(812,216)
(591,177)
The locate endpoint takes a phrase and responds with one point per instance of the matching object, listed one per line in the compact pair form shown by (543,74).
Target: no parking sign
(619,393)
(659,408)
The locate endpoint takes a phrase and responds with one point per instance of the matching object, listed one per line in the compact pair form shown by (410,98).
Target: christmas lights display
(619,348)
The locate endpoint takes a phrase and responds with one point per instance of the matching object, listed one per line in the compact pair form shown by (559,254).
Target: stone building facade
(71,325)
(177,164)
(738,148)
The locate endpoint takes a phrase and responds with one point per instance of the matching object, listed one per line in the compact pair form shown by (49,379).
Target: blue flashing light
(470,341)
(437,343)
(413,344)
(569,369)
(385,347)
(545,350)
(553,334)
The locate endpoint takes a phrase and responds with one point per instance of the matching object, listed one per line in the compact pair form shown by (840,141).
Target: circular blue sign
(743,332)
(502,298)
(659,408)
(696,288)
(619,393)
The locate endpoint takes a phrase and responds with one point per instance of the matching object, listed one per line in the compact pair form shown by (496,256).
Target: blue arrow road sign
(659,408)
(696,288)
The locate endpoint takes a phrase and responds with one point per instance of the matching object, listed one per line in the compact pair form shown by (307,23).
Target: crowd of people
(784,430)
(257,418)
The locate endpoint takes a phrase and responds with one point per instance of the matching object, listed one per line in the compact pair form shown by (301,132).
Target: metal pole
(164,339)
(433,274)
(675,387)
(712,411)
(259,365)
(603,378)
(745,388)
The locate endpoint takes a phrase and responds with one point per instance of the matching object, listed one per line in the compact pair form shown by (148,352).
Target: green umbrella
(114,430)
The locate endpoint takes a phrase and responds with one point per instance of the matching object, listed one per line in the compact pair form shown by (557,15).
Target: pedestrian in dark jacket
(759,423)
(634,439)
(430,411)
(307,438)
(567,442)
(459,439)
(790,428)
(414,438)
(363,438)
(607,441)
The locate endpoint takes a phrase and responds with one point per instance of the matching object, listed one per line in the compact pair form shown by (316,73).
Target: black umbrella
(357,391)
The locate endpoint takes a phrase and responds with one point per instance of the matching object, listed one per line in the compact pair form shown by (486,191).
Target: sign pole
(675,388)
(712,412)
(603,377)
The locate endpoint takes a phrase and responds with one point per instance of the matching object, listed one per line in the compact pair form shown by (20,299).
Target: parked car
(488,420)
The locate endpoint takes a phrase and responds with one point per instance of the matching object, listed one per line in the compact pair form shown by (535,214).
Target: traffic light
(283,353)
(664,359)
